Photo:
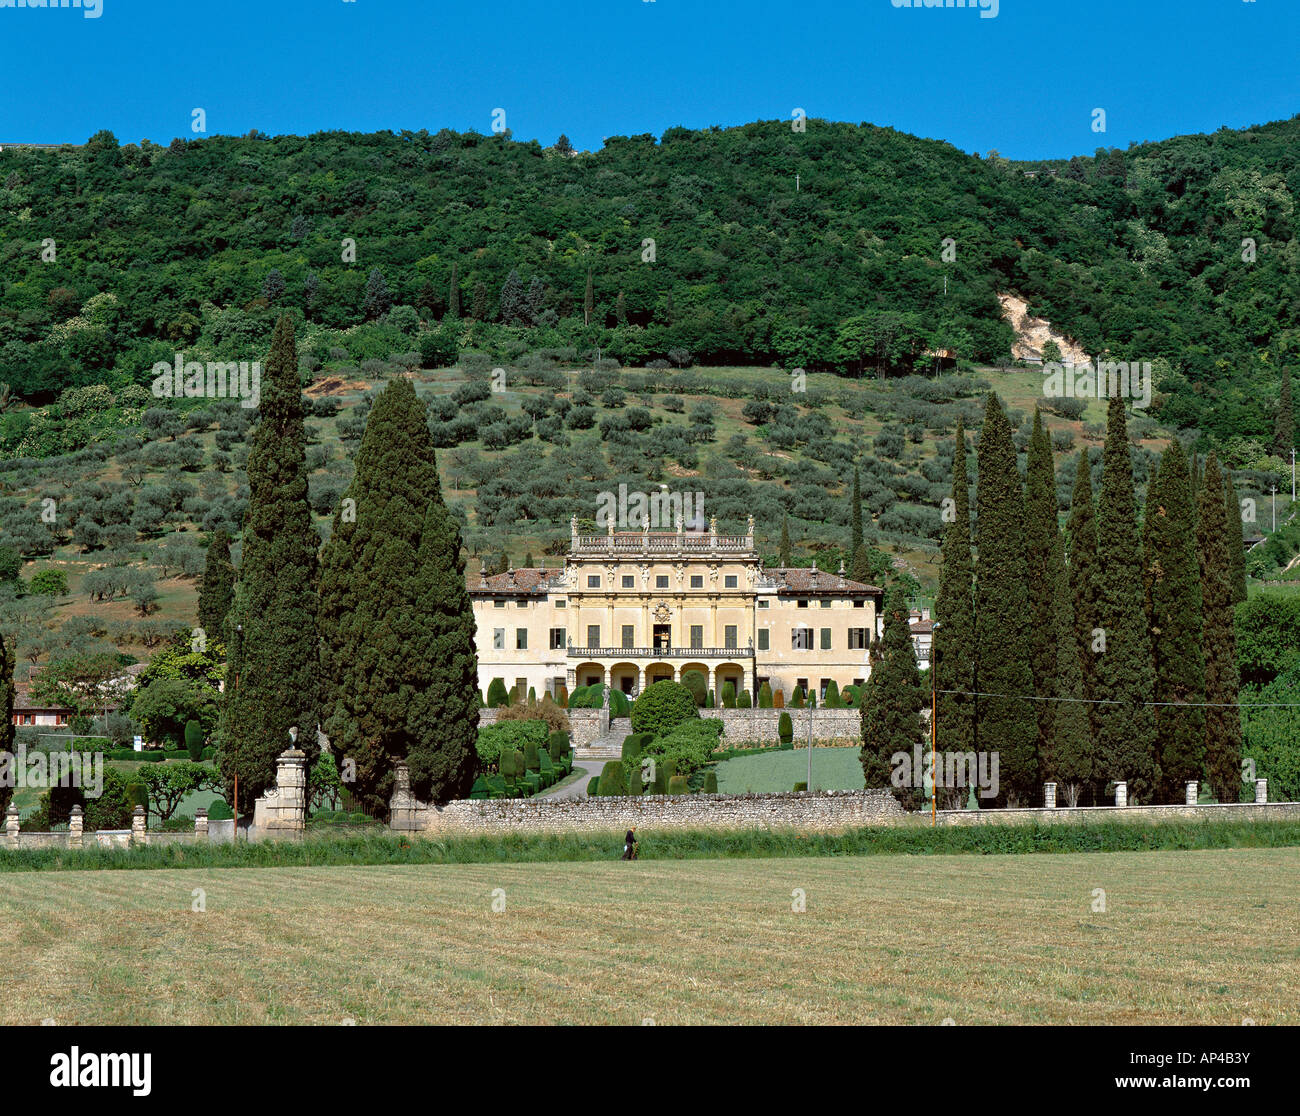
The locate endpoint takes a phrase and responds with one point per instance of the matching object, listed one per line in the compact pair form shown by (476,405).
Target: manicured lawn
(832,769)
(1185,938)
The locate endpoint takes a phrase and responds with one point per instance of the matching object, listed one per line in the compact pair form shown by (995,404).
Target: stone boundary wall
(828,810)
(829,726)
(1067,815)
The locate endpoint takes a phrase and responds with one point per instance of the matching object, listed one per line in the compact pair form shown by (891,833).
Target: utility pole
(808,787)
(934,734)
(234,831)
(1275,507)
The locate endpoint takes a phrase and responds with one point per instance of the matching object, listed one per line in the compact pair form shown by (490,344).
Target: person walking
(629,845)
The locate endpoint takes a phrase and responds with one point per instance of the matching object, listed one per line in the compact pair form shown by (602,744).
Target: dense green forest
(696,246)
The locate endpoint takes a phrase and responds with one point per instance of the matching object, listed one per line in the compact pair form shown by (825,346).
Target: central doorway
(663,636)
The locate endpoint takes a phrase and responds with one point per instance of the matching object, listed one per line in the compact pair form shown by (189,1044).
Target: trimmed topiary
(635,788)
(797,701)
(698,683)
(632,749)
(743,700)
(711,783)
(194,740)
(832,700)
(728,695)
(663,706)
(612,781)
(532,759)
(677,785)
(765,696)
(798,787)
(497,694)
(593,786)
(778,700)
(712,701)
(220,811)
(785,728)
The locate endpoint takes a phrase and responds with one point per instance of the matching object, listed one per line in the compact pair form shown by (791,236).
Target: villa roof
(812,582)
(23,702)
(514,583)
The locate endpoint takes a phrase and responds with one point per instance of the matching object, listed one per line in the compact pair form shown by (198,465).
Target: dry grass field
(1186,938)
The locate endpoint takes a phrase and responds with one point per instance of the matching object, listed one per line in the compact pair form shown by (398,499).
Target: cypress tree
(217,593)
(479,310)
(514,300)
(6,718)
(453,293)
(1042,552)
(891,714)
(1236,535)
(855,518)
(398,664)
(1222,719)
(785,542)
(954,614)
(1068,759)
(1008,721)
(588,300)
(274,656)
(1284,428)
(1125,679)
(1173,603)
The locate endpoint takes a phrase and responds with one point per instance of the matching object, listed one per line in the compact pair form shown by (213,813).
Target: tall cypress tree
(1042,552)
(1068,760)
(1082,531)
(891,713)
(1125,674)
(272,665)
(398,665)
(453,293)
(217,592)
(1007,721)
(1222,718)
(6,719)
(1173,601)
(1236,535)
(1284,428)
(785,541)
(855,516)
(954,612)
(588,300)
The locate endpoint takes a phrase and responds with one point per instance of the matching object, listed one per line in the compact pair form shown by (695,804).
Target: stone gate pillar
(1121,794)
(76,827)
(405,811)
(11,825)
(281,813)
(1193,792)
(1049,796)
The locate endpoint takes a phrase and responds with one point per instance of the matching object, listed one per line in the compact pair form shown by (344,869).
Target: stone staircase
(610,745)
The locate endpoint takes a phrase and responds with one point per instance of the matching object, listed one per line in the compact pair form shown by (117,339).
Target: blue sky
(1024,83)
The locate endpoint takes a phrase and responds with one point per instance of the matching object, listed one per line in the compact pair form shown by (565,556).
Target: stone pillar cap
(138,811)
(78,810)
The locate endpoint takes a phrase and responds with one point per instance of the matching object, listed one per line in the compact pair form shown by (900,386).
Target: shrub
(785,728)
(612,782)
(832,700)
(593,697)
(778,699)
(194,740)
(532,758)
(546,710)
(562,697)
(663,706)
(634,784)
(711,783)
(765,696)
(558,745)
(593,787)
(49,583)
(698,683)
(220,811)
(728,695)
(797,701)
(711,703)
(497,694)
(208,753)
(632,748)
(494,740)
(677,785)
(743,700)
(664,771)
(686,748)
(800,787)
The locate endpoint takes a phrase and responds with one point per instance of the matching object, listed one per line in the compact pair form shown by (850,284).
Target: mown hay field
(1185,937)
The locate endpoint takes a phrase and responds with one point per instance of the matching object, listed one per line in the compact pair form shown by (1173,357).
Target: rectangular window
(801,639)
(560,603)
(521,639)
(825,682)
(629,635)
(859,681)
(826,639)
(498,604)
(802,604)
(763,636)
(858,640)
(730,581)
(629,581)
(661,581)
(697,581)
(593,581)
(697,635)
(859,604)
(557,639)
(729,636)
(593,635)
(825,603)
(498,639)
(764,603)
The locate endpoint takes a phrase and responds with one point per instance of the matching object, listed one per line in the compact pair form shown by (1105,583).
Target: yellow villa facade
(632,608)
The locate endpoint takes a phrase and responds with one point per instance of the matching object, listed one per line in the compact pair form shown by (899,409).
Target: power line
(1109,701)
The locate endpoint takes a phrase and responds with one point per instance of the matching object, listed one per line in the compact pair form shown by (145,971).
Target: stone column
(1049,796)
(1261,790)
(11,825)
(405,811)
(1121,794)
(139,835)
(76,826)
(677,673)
(282,811)
(201,823)
(1193,792)
(640,679)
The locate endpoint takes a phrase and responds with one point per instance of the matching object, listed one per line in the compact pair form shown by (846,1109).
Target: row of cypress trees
(1100,654)
(372,639)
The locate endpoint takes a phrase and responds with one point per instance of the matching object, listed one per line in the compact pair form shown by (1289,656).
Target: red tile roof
(805,581)
(529,582)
